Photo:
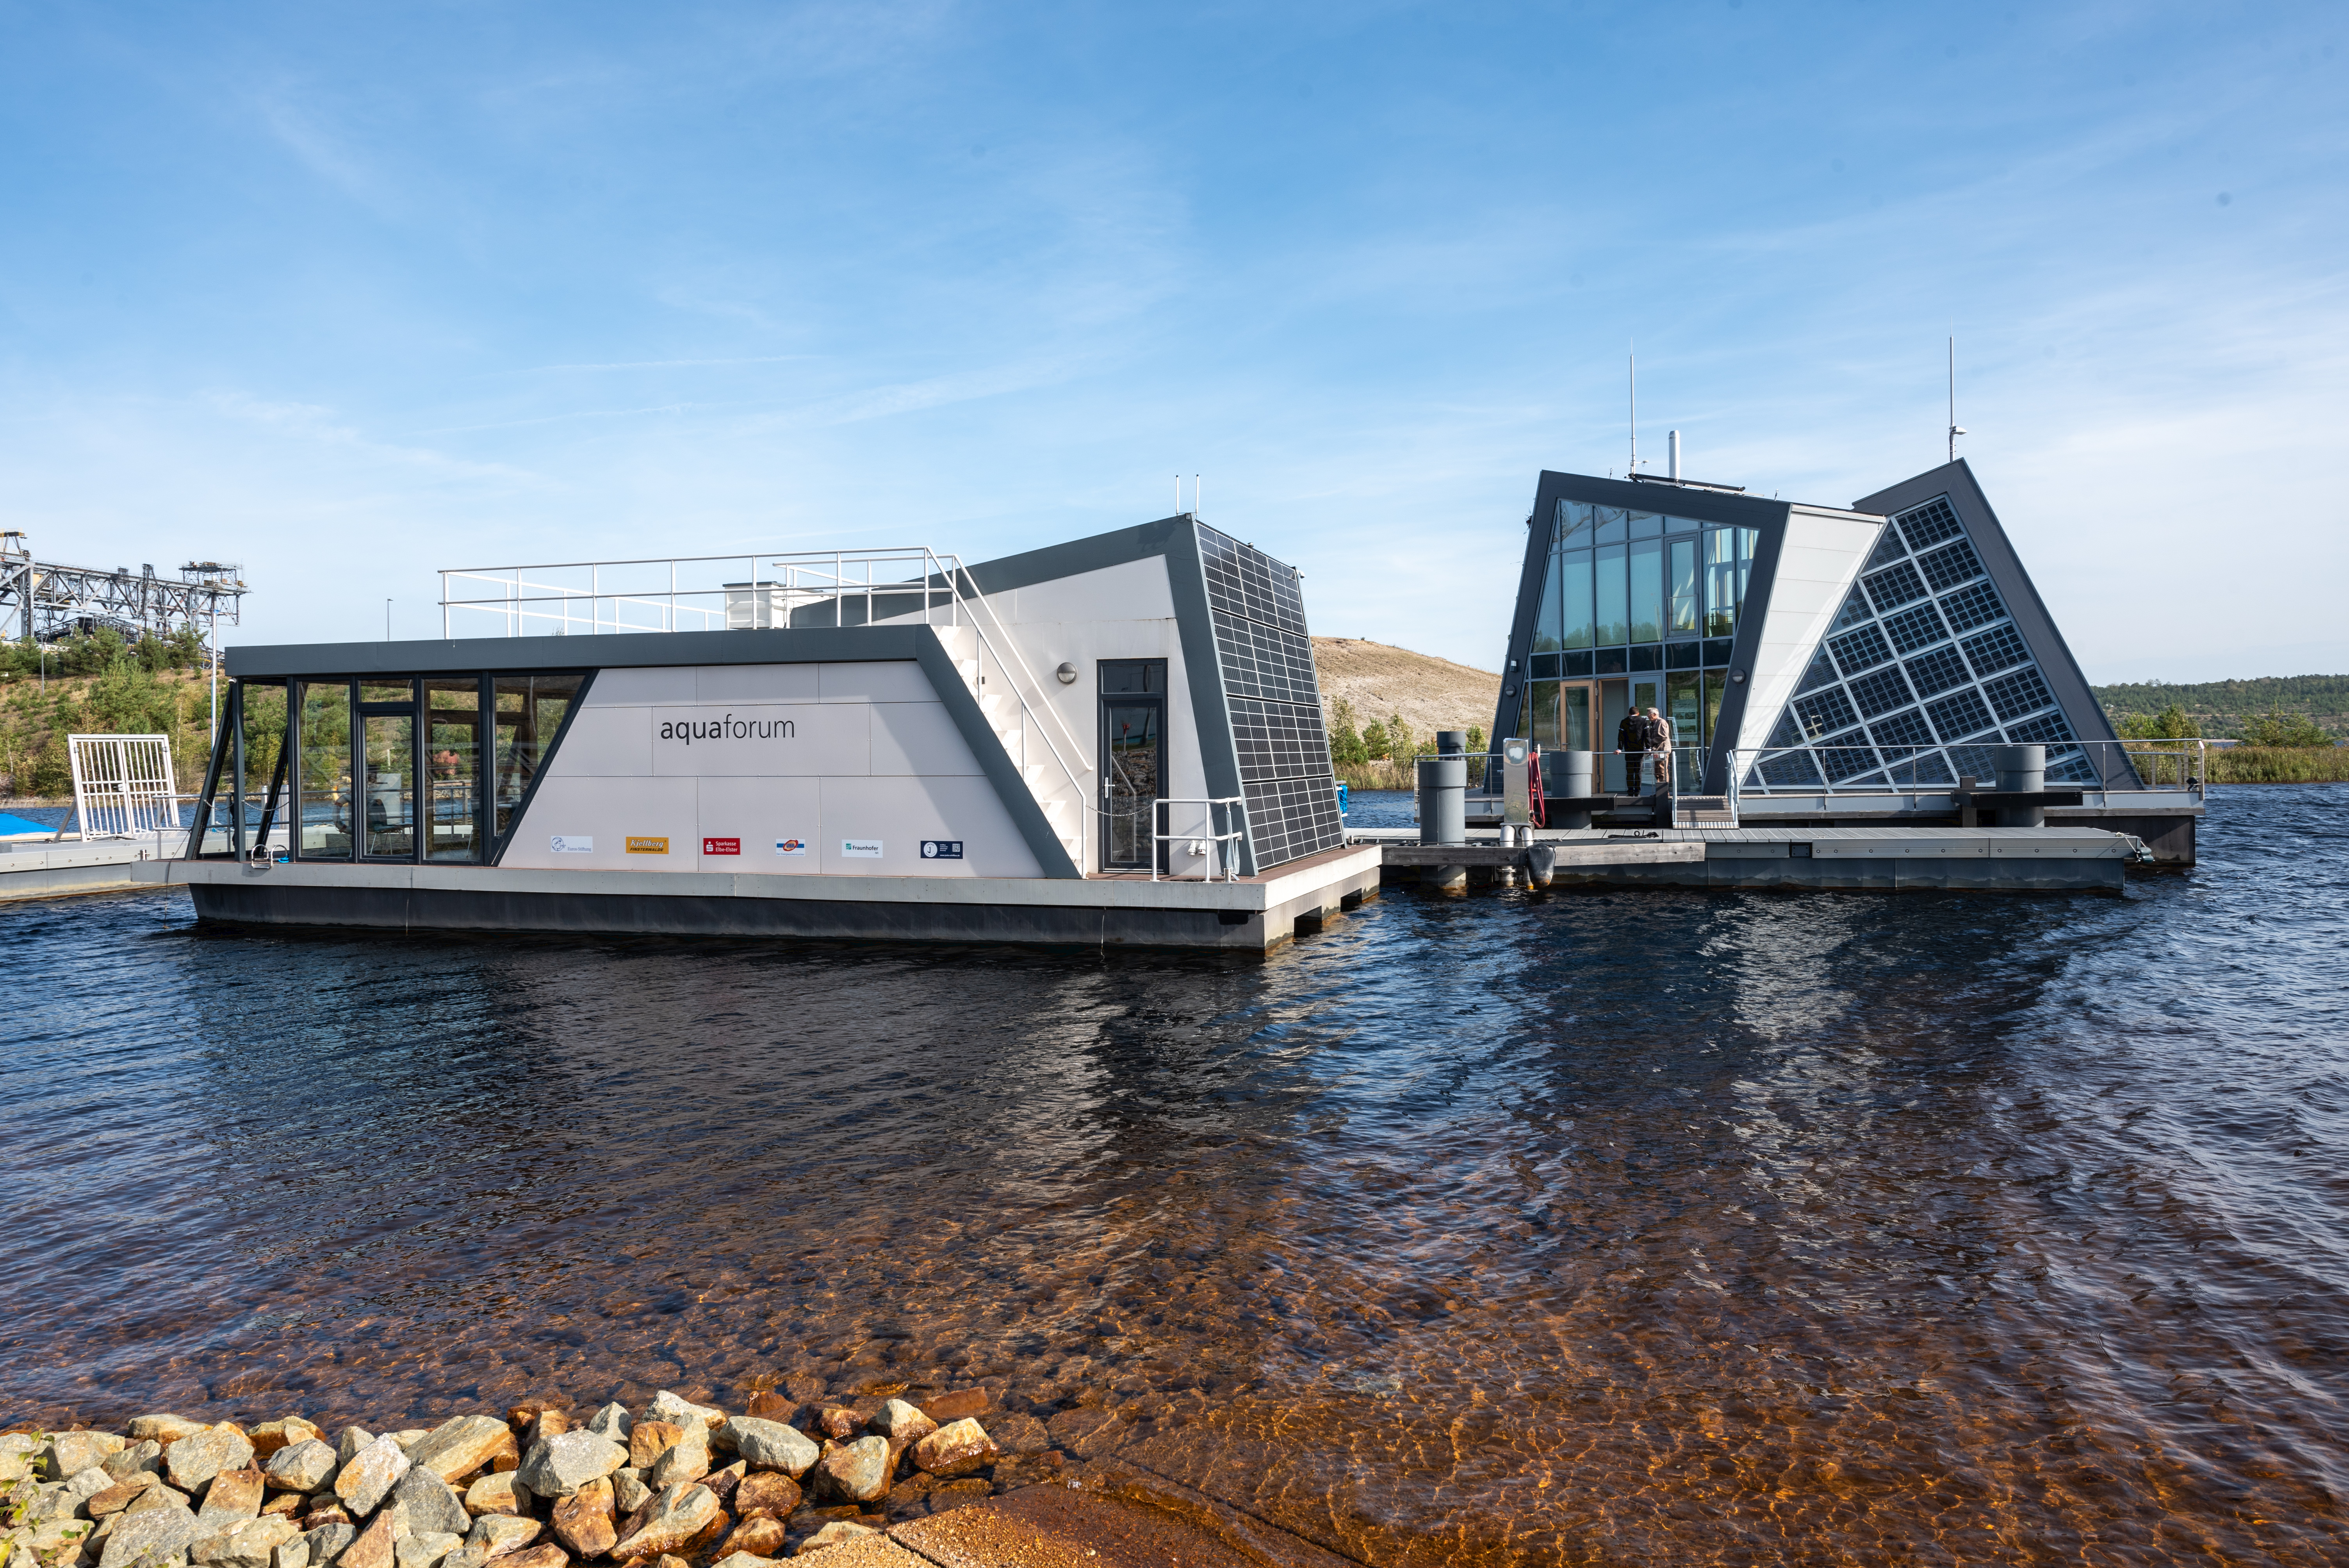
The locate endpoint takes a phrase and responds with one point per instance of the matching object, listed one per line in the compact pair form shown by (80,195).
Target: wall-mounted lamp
(1737,678)
(1067,674)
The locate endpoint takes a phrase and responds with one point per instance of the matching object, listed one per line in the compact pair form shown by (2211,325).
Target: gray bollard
(2021,770)
(1541,865)
(1444,799)
(1451,742)
(1577,771)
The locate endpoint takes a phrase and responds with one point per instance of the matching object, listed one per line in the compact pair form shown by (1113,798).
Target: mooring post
(2021,770)
(1577,770)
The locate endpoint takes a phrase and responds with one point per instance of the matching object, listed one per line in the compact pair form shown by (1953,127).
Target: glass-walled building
(1886,645)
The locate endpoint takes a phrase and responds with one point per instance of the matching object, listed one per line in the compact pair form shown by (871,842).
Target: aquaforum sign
(754,726)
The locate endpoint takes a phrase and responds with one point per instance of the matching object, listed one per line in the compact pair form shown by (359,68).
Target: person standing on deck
(1632,738)
(1660,747)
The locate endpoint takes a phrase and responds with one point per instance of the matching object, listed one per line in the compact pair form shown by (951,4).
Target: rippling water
(1619,1228)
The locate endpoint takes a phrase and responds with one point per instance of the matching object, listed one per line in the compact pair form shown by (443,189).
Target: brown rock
(234,1494)
(284,1502)
(944,1407)
(496,1493)
(121,1495)
(462,1445)
(902,1424)
(761,1537)
(838,1423)
(545,1554)
(770,1492)
(648,1441)
(550,1423)
(270,1436)
(375,1546)
(723,1482)
(838,1533)
(330,1512)
(680,1519)
(582,1521)
(164,1429)
(857,1472)
(770,1406)
(499,1535)
(199,1456)
(955,1448)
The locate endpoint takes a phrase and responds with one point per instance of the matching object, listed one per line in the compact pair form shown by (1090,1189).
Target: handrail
(2191,774)
(1230,862)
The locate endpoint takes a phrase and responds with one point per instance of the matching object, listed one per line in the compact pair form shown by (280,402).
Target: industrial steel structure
(45,601)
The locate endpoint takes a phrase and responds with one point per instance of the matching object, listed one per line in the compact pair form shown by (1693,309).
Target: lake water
(1655,1227)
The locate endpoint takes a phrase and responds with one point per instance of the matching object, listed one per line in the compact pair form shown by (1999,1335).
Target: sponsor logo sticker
(572,844)
(861,849)
(721,846)
(793,847)
(941,849)
(648,846)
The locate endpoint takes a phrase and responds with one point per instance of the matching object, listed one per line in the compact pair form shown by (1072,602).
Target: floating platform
(1856,860)
(55,868)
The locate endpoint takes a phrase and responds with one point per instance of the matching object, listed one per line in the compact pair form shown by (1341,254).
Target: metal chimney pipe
(1676,454)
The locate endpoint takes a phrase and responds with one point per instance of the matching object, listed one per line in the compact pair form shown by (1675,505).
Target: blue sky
(353,293)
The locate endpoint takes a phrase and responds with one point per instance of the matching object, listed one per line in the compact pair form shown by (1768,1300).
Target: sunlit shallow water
(1619,1228)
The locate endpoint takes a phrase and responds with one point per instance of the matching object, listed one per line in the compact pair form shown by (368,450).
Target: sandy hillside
(1431,693)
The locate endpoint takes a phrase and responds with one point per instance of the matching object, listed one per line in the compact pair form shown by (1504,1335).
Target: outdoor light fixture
(1067,674)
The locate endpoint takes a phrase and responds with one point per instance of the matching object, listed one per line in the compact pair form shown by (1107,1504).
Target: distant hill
(1377,680)
(2224,707)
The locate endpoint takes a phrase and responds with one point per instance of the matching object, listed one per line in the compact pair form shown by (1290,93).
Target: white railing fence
(122,785)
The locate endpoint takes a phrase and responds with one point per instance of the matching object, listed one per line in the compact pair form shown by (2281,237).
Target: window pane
(1648,591)
(1747,538)
(1575,566)
(530,712)
(1545,627)
(1683,585)
(1607,524)
(1545,713)
(1647,525)
(1720,582)
(1574,522)
(387,691)
(1574,721)
(1715,685)
(453,718)
(1614,608)
(1683,710)
(324,808)
(390,792)
(264,736)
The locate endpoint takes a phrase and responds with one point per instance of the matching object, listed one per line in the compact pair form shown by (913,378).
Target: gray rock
(902,1423)
(159,1495)
(145,1456)
(195,1459)
(301,1467)
(408,1438)
(426,1505)
(70,1453)
(367,1477)
(460,1445)
(955,1449)
(353,1440)
(247,1544)
(770,1445)
(465,1556)
(680,1411)
(857,1472)
(167,1533)
(84,1485)
(294,1554)
(629,1492)
(612,1423)
(687,1460)
(424,1549)
(497,1533)
(561,1465)
(374,1545)
(164,1429)
(327,1540)
(678,1519)
(57,1540)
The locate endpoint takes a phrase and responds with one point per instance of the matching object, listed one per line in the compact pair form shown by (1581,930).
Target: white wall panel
(760,812)
(1817,562)
(901,812)
(620,688)
(609,811)
(606,743)
(919,738)
(820,741)
(879,680)
(755,682)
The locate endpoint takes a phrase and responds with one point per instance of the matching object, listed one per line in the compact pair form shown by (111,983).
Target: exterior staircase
(1056,773)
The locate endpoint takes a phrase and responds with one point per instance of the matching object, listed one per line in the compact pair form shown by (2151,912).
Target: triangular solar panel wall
(1941,652)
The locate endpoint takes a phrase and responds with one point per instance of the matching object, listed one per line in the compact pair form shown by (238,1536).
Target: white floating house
(1116,740)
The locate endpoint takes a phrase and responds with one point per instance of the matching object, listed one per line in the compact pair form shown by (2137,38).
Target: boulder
(545,1554)
(424,1504)
(687,1460)
(582,1521)
(954,1407)
(408,1437)
(629,1492)
(761,1537)
(833,1535)
(144,1456)
(498,1533)
(678,1410)
(289,1503)
(466,1556)
(70,1453)
(294,1554)
(247,1544)
(954,1448)
(902,1424)
(306,1466)
(376,1546)
(159,1495)
(562,1465)
(769,1406)
(165,1533)
(768,1491)
(60,1540)
(234,1494)
(461,1445)
(679,1519)
(424,1549)
(325,1509)
(326,1541)
(70,1496)
(772,1446)
(19,1456)
(352,1440)
(270,1436)
(855,1472)
(367,1477)
(164,1429)
(838,1422)
(121,1495)
(648,1439)
(612,1423)
(722,1483)
(496,1493)
(196,1459)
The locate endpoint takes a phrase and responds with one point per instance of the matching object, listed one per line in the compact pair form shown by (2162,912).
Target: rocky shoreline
(674,1485)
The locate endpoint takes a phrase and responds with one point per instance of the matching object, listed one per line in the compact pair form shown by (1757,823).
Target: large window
(324,782)
(530,712)
(451,767)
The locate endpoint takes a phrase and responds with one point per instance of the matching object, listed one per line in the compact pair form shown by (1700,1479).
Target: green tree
(1475,740)
(1345,741)
(1375,740)
(2171,724)
(2275,729)
(1402,744)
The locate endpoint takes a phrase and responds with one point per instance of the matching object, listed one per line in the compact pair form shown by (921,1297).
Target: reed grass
(2280,764)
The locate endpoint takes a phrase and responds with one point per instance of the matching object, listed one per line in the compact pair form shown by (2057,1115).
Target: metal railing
(2131,765)
(1222,861)
(778,592)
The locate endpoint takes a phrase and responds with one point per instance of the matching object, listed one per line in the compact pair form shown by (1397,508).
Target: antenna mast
(1633,472)
(1956,429)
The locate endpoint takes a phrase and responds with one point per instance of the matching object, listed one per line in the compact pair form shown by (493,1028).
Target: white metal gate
(122,785)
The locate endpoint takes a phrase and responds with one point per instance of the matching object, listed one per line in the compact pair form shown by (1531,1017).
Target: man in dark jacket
(1633,736)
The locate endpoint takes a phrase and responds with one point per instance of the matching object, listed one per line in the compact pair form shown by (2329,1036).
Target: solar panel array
(1907,690)
(1267,659)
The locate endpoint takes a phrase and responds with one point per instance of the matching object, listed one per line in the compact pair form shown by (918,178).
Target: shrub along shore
(674,1485)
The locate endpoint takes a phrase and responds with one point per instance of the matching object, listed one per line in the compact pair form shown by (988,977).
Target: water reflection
(1665,1227)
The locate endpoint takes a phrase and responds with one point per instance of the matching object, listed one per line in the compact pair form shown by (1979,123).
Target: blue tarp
(10,826)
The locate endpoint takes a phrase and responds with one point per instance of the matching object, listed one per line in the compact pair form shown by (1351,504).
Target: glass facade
(1921,673)
(1626,592)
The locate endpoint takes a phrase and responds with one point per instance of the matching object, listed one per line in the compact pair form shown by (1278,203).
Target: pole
(215,730)
(1633,471)
(387,620)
